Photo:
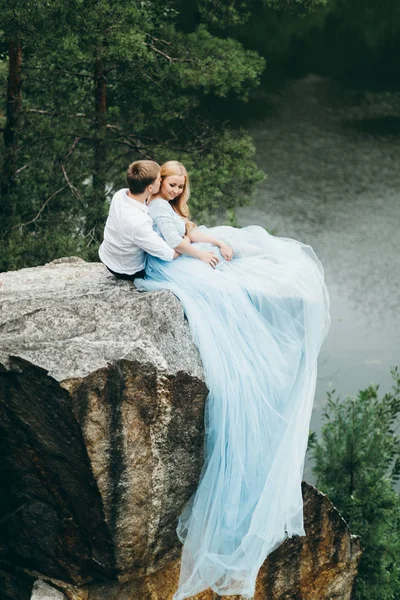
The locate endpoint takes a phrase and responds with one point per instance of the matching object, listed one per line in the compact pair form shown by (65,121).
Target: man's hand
(176,254)
(186,238)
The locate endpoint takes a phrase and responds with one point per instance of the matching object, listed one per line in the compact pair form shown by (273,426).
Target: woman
(258,310)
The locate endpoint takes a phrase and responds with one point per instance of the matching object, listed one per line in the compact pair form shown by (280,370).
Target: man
(129,233)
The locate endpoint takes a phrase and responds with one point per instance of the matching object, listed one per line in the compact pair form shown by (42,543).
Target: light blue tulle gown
(258,322)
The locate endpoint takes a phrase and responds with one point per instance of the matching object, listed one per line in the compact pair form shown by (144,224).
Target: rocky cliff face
(101,434)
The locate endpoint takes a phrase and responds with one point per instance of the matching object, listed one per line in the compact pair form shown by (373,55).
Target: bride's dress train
(258,322)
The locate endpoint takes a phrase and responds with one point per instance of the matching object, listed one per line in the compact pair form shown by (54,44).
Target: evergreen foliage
(88,87)
(357,464)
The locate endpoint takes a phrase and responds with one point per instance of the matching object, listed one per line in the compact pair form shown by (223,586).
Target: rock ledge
(101,425)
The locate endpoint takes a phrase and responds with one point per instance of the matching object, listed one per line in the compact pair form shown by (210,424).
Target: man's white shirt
(128,234)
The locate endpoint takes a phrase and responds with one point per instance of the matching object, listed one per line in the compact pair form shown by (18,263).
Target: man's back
(128,234)
(119,250)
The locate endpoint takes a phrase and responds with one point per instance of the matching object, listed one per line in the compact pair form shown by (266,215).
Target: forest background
(88,86)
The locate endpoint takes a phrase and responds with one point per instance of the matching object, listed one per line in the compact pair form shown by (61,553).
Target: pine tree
(357,464)
(111,81)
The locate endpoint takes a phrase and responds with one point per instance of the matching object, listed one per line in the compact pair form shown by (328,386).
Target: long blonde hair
(180,203)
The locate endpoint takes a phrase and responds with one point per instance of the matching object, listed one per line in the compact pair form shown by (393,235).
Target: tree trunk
(99,148)
(10,132)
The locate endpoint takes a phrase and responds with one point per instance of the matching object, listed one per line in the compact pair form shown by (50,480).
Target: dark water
(333,161)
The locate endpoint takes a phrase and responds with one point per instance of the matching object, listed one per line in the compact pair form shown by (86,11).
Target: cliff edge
(101,433)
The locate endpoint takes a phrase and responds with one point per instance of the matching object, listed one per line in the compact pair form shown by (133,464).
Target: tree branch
(40,140)
(73,189)
(53,114)
(134,146)
(155,39)
(86,76)
(169,58)
(41,209)
(92,236)
(72,148)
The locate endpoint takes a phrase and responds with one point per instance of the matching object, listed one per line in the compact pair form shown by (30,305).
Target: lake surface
(333,162)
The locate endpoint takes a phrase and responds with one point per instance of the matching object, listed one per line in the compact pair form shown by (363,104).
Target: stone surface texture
(101,440)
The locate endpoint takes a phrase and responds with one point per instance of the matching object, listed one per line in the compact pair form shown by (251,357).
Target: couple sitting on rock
(154,196)
(258,310)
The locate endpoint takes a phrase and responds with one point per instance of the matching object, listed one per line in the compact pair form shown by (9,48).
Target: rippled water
(333,162)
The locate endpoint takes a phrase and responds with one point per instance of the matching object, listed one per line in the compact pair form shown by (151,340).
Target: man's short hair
(140,174)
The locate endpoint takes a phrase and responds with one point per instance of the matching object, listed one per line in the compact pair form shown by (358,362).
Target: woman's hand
(226,251)
(209,258)
(187,239)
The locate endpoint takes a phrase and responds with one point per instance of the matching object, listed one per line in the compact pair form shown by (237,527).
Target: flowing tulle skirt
(258,322)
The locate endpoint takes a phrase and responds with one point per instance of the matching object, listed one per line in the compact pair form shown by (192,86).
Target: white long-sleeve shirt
(128,234)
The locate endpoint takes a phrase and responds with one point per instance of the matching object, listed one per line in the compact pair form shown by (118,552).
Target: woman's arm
(199,236)
(186,248)
(163,216)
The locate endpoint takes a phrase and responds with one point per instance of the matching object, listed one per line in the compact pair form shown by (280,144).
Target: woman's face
(172,186)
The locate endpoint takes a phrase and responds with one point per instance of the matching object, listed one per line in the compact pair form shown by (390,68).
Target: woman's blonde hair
(180,203)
